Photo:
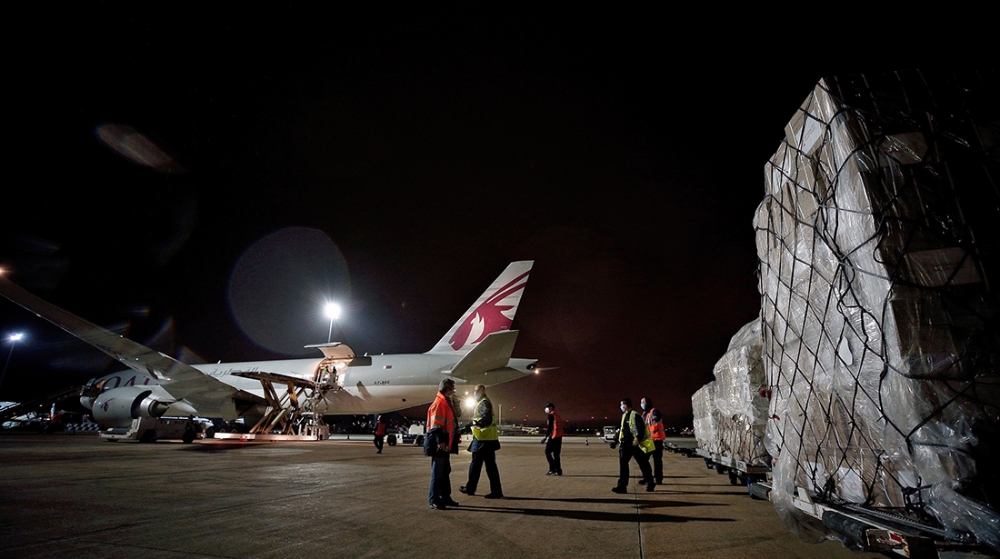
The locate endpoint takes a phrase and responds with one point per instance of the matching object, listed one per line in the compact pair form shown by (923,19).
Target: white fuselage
(391,382)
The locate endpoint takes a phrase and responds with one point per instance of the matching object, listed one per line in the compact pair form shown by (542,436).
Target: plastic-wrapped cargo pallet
(743,408)
(879,245)
(706,419)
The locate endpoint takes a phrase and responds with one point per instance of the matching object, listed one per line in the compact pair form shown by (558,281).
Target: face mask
(623,408)
(643,407)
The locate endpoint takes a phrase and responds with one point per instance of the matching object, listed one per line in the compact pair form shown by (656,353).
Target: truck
(148,430)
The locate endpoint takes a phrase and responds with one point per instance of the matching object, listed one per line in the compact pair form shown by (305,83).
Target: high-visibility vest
(642,439)
(557,428)
(440,415)
(656,429)
(484,433)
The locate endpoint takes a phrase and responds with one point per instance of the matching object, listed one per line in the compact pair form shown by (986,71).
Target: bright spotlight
(470,402)
(15,337)
(332,311)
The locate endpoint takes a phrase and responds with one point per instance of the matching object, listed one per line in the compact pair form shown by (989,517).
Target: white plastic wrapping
(740,397)
(876,238)
(706,418)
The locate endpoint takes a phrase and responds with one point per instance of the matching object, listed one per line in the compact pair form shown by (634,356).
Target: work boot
(451,503)
(493,496)
(465,490)
(650,487)
(620,490)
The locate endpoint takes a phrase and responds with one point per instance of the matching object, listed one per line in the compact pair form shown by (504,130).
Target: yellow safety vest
(642,440)
(484,433)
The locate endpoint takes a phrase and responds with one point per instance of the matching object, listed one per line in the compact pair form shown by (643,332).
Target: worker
(484,446)
(380,429)
(553,440)
(654,421)
(438,445)
(633,436)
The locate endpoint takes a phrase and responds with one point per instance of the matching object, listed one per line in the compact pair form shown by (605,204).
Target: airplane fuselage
(391,382)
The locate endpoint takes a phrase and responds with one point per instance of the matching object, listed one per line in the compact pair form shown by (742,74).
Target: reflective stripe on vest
(440,416)
(656,430)
(638,436)
(557,428)
(486,433)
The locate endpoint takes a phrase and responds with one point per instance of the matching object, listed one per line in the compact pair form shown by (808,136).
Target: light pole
(13,339)
(332,311)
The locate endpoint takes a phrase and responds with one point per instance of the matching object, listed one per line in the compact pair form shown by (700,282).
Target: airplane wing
(492,353)
(207,394)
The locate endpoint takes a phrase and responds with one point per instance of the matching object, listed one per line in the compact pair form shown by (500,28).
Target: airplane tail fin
(492,312)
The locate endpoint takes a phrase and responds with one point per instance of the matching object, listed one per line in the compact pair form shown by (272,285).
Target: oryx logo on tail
(493,312)
(488,317)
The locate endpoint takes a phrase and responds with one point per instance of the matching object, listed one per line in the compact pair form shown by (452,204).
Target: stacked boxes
(741,398)
(706,419)
(879,241)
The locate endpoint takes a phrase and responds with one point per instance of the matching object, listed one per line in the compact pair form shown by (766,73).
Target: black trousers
(552,450)
(625,455)
(489,459)
(658,461)
(379,440)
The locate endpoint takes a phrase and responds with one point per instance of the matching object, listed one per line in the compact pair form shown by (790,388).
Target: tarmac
(78,496)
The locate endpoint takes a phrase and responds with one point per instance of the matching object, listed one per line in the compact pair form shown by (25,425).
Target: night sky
(397,160)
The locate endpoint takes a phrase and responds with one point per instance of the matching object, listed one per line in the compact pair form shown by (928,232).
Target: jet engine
(119,406)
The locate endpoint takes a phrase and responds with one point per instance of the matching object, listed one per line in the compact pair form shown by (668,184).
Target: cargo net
(730,413)
(878,248)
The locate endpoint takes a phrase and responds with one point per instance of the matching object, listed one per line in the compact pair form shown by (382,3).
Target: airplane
(476,350)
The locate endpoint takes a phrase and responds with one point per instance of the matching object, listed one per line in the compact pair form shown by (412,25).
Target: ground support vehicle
(148,430)
(610,434)
(413,435)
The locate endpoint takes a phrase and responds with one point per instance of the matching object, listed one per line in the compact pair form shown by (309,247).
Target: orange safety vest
(656,430)
(440,416)
(380,429)
(557,428)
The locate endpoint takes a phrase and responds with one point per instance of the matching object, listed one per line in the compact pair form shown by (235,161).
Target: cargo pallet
(887,533)
(740,473)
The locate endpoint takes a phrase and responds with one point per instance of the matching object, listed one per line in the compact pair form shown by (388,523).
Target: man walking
(553,440)
(657,432)
(485,444)
(635,443)
(380,430)
(437,444)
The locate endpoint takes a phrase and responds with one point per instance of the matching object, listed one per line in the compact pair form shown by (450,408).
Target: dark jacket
(482,418)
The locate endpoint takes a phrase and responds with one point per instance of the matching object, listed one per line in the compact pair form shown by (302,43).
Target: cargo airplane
(476,350)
